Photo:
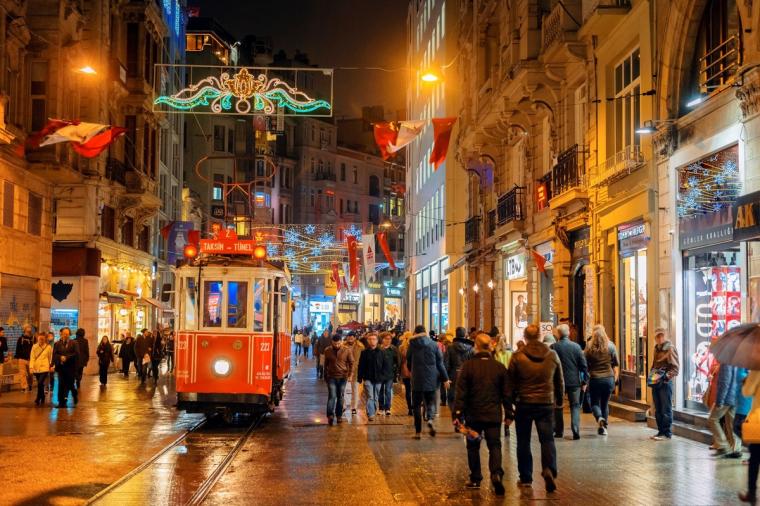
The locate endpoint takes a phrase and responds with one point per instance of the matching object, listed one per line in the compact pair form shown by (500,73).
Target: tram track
(172,474)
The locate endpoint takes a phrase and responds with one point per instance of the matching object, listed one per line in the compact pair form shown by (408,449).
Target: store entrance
(577,299)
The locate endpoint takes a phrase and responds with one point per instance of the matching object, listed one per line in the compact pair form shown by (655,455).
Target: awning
(114,298)
(152,302)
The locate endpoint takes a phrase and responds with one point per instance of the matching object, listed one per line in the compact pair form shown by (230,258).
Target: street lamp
(430,76)
(87,70)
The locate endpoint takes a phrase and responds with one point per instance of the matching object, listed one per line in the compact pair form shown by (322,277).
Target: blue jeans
(601,389)
(574,398)
(336,388)
(663,407)
(543,416)
(386,395)
(372,391)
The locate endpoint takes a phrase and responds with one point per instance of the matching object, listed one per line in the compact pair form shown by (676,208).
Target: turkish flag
(336,276)
(165,231)
(383,242)
(385,135)
(353,265)
(34,140)
(540,260)
(441,136)
(98,143)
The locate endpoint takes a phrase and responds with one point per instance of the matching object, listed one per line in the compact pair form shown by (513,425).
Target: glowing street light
(87,70)
(430,77)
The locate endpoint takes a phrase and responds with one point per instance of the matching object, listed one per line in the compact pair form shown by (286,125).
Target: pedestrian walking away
(127,355)
(23,349)
(83,355)
(425,362)
(305,344)
(481,391)
(534,389)
(143,348)
(339,367)
(575,374)
(374,365)
(664,369)
(41,356)
(405,373)
(461,349)
(751,388)
(322,344)
(157,355)
(65,355)
(601,356)
(105,358)
(170,352)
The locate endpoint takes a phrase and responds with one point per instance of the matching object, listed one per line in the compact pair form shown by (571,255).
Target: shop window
(237,306)
(212,303)
(708,185)
(633,307)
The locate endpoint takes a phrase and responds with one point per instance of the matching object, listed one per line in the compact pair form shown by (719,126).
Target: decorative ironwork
(510,205)
(569,172)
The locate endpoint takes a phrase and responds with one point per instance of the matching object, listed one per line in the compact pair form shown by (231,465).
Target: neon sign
(244,90)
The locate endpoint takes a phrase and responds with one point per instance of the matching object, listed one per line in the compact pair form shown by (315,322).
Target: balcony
(600,16)
(116,171)
(568,179)
(324,176)
(718,67)
(560,24)
(618,166)
(471,232)
(510,206)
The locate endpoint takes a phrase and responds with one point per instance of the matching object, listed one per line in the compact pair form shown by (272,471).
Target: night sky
(334,33)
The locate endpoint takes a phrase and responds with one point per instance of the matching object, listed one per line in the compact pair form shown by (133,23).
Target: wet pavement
(294,457)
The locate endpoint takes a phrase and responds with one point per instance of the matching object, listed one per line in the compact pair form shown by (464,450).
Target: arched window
(374,186)
(718,52)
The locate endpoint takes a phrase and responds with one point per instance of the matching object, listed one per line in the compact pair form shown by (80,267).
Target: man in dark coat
(575,374)
(425,362)
(157,354)
(481,391)
(65,354)
(143,346)
(324,342)
(127,354)
(458,352)
(83,354)
(23,352)
(373,364)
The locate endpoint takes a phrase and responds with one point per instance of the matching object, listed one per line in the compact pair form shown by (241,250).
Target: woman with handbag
(664,369)
(39,364)
(751,435)
(602,360)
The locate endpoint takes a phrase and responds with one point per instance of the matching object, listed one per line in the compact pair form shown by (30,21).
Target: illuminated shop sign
(516,266)
(633,236)
(747,217)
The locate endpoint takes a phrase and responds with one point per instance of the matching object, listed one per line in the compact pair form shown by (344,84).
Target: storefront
(632,243)
(373,310)
(320,314)
(515,296)
(746,214)
(581,282)
(432,296)
(348,307)
(712,265)
(19,304)
(125,306)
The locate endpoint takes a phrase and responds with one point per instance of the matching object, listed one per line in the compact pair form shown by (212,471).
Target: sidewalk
(65,456)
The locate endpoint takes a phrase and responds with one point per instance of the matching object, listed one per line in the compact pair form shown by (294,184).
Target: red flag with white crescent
(383,242)
(442,128)
(353,264)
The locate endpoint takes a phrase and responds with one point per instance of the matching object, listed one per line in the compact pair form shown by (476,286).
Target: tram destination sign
(227,247)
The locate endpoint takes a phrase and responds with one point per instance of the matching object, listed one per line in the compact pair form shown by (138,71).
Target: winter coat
(481,390)
(535,376)
(394,361)
(23,347)
(83,351)
(743,403)
(339,364)
(425,362)
(65,354)
(143,346)
(127,350)
(459,351)
(666,358)
(323,343)
(726,393)
(40,358)
(158,348)
(356,350)
(105,353)
(600,363)
(374,364)
(574,367)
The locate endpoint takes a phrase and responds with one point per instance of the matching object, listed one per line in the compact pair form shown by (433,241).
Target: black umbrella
(739,346)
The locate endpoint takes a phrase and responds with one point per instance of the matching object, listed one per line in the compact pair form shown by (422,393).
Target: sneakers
(387,412)
(498,486)
(602,430)
(371,418)
(549,483)
(472,484)
(661,437)
(654,437)
(431,428)
(524,484)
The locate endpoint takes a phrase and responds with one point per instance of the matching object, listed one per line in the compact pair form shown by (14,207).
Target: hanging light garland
(709,185)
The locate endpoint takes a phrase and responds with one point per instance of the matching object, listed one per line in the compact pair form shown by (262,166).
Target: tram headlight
(222,367)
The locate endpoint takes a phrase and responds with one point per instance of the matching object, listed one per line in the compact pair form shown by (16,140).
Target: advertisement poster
(392,309)
(519,315)
(178,237)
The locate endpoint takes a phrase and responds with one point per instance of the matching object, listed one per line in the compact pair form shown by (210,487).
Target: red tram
(233,339)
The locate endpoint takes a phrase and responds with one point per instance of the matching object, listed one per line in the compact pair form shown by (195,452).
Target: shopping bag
(146,359)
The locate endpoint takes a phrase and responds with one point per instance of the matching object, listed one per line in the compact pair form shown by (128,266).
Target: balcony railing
(511,205)
(619,165)
(591,6)
(570,171)
(718,67)
(116,171)
(472,230)
(559,24)
(324,176)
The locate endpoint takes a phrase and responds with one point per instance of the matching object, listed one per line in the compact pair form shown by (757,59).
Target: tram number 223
(265,346)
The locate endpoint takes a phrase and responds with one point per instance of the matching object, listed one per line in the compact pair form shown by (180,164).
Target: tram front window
(258,306)
(237,305)
(212,303)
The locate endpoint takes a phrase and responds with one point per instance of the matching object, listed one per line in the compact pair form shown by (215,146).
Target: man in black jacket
(65,356)
(23,351)
(575,374)
(83,356)
(481,391)
(425,363)
(535,387)
(460,350)
(373,363)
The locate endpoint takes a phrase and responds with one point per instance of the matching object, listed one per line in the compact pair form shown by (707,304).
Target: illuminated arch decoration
(238,91)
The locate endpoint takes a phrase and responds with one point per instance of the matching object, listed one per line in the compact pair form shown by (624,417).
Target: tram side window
(258,306)
(212,304)
(237,305)
(191,303)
